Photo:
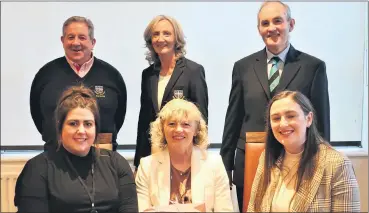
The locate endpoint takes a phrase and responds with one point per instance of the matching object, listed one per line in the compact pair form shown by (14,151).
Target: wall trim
(133,147)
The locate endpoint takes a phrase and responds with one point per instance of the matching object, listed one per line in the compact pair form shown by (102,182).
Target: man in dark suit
(257,77)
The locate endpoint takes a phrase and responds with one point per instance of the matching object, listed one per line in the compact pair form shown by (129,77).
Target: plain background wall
(217,35)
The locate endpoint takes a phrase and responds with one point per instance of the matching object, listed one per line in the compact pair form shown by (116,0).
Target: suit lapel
(163,174)
(260,69)
(308,189)
(154,86)
(291,67)
(197,176)
(178,70)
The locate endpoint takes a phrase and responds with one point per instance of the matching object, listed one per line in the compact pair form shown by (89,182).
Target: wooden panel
(254,146)
(255,137)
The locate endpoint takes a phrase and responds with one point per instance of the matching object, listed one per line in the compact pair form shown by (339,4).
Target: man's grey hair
(85,20)
(288,10)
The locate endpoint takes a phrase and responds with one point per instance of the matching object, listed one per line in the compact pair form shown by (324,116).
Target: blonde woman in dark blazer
(170,75)
(299,171)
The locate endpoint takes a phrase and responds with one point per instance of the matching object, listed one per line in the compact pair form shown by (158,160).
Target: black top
(48,183)
(187,81)
(56,76)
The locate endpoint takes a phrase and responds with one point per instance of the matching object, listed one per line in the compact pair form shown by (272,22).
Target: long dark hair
(274,150)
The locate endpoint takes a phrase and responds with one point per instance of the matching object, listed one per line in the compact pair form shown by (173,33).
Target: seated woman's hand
(151,209)
(201,207)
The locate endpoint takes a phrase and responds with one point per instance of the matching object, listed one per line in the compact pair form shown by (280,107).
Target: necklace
(180,185)
(179,171)
(288,170)
(282,185)
(91,196)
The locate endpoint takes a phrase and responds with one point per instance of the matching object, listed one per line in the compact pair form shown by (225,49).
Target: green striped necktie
(274,74)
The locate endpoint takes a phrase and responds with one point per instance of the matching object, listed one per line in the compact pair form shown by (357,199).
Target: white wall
(365,92)
(217,33)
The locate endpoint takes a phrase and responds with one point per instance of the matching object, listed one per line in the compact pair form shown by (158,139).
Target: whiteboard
(217,35)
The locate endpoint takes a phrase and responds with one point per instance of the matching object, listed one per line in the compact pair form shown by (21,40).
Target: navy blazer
(188,77)
(250,96)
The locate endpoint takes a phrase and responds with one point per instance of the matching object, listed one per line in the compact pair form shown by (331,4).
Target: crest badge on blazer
(178,93)
(99,92)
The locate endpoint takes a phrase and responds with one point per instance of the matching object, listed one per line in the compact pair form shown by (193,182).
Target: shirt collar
(282,56)
(75,65)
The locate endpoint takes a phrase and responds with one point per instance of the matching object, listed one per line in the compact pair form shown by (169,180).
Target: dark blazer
(188,77)
(250,95)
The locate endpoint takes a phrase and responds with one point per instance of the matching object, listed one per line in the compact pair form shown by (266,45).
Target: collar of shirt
(282,56)
(84,68)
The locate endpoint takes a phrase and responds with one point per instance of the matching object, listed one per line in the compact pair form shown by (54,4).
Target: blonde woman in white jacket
(182,176)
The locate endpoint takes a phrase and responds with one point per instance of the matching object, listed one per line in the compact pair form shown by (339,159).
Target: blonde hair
(151,56)
(178,109)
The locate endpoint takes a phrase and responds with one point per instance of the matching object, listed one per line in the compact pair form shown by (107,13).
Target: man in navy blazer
(251,90)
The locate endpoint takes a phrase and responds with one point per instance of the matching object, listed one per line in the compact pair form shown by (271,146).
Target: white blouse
(286,183)
(162,84)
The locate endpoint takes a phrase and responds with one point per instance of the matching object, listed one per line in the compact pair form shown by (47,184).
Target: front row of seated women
(298,171)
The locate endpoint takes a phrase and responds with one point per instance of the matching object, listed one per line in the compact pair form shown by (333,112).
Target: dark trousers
(238,175)
(240,197)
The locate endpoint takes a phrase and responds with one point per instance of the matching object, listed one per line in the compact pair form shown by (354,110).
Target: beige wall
(11,167)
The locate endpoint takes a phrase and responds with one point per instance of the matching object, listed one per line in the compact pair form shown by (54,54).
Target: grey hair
(151,56)
(286,7)
(85,20)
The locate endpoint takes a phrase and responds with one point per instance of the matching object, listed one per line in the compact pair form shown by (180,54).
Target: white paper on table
(176,208)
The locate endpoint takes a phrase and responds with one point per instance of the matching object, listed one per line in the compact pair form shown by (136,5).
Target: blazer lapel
(260,69)
(198,176)
(308,189)
(291,67)
(163,174)
(178,70)
(154,86)
(269,194)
